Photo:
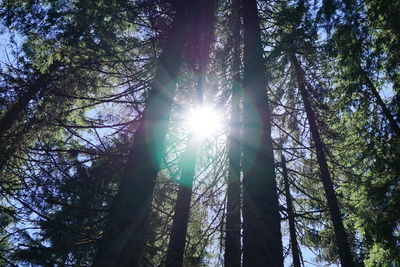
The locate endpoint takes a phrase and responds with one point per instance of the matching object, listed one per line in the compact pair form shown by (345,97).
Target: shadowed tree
(333,204)
(232,256)
(176,246)
(262,244)
(292,224)
(199,48)
(124,236)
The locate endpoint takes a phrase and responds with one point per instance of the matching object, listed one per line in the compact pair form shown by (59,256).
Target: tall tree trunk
(262,238)
(176,246)
(202,33)
(345,254)
(232,256)
(386,112)
(203,23)
(232,239)
(290,212)
(124,236)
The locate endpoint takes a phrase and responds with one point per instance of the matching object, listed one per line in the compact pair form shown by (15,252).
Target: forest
(194,133)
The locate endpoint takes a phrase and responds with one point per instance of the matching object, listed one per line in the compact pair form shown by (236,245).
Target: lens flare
(204,122)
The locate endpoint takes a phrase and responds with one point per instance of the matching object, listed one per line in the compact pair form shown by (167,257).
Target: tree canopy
(200,133)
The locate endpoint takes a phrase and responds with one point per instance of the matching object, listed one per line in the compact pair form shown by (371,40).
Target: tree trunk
(232,256)
(203,23)
(203,30)
(262,238)
(345,254)
(290,212)
(176,246)
(124,236)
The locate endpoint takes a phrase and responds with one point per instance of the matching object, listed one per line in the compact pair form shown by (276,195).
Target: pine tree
(177,240)
(232,256)
(262,244)
(124,236)
(291,217)
(336,216)
(88,93)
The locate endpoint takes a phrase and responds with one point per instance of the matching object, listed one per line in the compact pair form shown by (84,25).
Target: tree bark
(232,256)
(292,225)
(345,254)
(124,237)
(262,238)
(176,246)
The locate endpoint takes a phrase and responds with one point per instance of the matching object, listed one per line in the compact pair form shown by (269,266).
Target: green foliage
(76,207)
(62,156)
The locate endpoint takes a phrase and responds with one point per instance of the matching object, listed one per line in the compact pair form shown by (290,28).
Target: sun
(204,122)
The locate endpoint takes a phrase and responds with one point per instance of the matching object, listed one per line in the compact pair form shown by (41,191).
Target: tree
(364,51)
(177,240)
(262,243)
(75,210)
(291,217)
(95,97)
(232,256)
(55,62)
(336,216)
(125,231)
(203,39)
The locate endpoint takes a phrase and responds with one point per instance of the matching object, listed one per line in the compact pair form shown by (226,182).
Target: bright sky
(204,122)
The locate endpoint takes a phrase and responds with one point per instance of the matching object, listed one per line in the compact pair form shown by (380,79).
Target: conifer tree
(291,216)
(88,93)
(333,204)
(177,240)
(232,256)
(124,235)
(262,244)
